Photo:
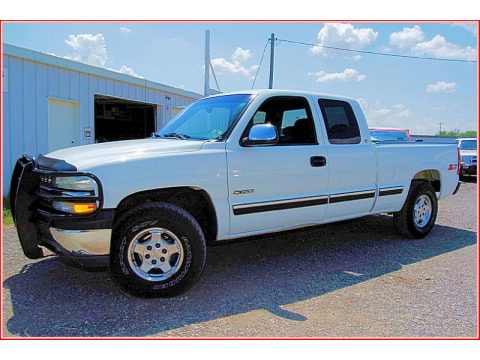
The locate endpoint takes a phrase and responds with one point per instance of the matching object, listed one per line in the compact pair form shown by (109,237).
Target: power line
(215,76)
(375,52)
(260,64)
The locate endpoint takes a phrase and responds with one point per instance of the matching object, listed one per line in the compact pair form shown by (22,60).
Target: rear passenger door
(351,160)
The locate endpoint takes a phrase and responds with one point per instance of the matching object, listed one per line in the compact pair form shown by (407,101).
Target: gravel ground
(351,279)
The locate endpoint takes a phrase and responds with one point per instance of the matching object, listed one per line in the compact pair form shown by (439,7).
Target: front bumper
(83,239)
(83,242)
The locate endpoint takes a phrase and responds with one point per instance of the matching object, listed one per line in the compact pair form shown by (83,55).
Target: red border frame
(226,338)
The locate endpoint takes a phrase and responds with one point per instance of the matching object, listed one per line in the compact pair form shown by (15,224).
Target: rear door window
(340,122)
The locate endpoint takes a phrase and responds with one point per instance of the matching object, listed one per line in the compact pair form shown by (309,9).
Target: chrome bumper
(83,242)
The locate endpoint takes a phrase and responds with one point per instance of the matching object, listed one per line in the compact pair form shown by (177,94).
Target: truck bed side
(399,163)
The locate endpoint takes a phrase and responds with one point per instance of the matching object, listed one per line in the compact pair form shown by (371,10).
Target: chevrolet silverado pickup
(226,167)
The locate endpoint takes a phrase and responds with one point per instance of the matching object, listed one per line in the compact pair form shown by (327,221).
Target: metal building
(51,103)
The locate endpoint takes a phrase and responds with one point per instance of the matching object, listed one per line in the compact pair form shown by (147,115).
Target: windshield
(468,145)
(388,136)
(207,118)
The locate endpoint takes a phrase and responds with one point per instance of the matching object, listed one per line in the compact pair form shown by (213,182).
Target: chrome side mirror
(261,134)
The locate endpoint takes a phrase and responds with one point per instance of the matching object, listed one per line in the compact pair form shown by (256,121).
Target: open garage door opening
(120,119)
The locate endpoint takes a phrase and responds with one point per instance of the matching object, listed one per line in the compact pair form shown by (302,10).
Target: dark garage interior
(120,119)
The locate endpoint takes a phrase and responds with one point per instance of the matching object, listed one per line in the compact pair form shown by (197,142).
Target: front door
(283,185)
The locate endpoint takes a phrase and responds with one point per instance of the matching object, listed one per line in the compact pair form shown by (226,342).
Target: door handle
(317,161)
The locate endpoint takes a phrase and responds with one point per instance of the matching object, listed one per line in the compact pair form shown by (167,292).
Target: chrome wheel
(422,211)
(155,254)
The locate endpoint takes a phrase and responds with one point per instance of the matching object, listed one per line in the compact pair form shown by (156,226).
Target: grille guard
(22,196)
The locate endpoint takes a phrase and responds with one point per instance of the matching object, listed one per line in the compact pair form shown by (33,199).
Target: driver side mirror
(261,134)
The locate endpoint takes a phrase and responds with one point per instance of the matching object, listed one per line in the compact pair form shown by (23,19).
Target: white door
(283,185)
(63,124)
(351,159)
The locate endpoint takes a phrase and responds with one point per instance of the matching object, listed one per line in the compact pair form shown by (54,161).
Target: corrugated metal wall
(29,84)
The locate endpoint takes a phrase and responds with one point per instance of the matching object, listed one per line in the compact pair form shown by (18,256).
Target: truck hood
(468,152)
(87,156)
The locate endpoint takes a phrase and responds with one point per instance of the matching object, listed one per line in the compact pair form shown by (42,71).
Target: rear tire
(158,250)
(418,214)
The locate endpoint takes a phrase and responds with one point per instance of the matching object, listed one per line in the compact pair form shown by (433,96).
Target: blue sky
(413,94)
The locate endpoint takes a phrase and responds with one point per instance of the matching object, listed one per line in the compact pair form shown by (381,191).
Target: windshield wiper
(176,136)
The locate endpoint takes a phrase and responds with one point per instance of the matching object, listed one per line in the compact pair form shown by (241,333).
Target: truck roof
(284,92)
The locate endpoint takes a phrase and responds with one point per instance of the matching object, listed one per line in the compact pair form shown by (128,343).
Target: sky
(394,92)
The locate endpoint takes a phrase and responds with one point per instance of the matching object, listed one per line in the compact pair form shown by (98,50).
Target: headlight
(79,194)
(466,158)
(76,183)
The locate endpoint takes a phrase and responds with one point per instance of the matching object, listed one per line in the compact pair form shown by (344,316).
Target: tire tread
(403,220)
(175,214)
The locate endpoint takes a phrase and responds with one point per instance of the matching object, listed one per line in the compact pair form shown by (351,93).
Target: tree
(456,133)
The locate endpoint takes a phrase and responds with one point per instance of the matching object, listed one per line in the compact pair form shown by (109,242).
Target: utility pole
(206,90)
(272,58)
(440,133)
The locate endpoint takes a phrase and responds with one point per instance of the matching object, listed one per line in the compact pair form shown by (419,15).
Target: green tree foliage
(456,133)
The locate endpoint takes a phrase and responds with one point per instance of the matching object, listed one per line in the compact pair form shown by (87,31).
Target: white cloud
(385,49)
(390,116)
(396,116)
(91,49)
(236,66)
(221,65)
(127,70)
(470,27)
(241,55)
(442,86)
(438,46)
(346,75)
(407,37)
(125,29)
(343,35)
(88,48)
(400,116)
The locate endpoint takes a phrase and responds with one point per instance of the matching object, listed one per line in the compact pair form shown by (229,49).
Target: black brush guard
(22,198)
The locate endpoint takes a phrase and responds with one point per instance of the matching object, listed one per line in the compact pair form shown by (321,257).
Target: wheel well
(196,201)
(430,175)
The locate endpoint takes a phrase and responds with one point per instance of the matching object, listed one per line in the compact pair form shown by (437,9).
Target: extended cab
(228,166)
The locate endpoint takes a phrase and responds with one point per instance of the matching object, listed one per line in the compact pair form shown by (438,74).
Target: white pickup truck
(228,166)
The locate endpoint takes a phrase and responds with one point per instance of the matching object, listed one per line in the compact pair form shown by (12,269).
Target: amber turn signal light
(84,208)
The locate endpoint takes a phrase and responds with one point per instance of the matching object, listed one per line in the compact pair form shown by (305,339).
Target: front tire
(158,250)
(418,214)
